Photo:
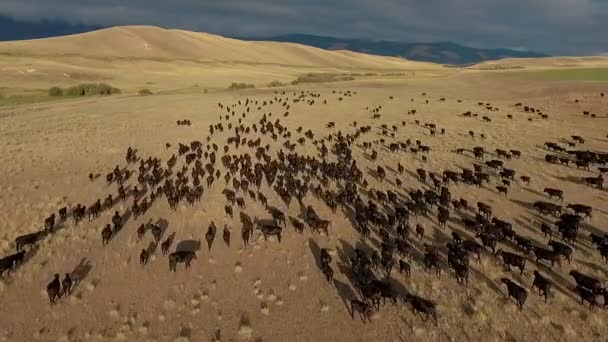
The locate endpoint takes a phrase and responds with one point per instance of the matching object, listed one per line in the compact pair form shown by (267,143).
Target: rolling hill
(149,42)
(440,52)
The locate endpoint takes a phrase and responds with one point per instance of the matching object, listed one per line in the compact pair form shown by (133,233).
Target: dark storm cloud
(574,27)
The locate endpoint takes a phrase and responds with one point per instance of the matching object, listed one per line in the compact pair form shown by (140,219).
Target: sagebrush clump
(55,91)
(275,84)
(325,77)
(144,91)
(84,90)
(236,85)
(91,89)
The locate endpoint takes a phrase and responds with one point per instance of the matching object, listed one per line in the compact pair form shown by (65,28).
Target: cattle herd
(246,165)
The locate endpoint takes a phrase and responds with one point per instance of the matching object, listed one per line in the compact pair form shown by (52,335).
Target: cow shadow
(526,205)
(80,272)
(536,192)
(560,283)
(163,224)
(169,240)
(30,253)
(188,246)
(346,293)
(571,179)
(316,252)
(152,246)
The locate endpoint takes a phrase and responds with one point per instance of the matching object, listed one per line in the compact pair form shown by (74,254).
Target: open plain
(271,290)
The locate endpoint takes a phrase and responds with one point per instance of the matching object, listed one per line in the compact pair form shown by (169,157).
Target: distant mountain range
(439,52)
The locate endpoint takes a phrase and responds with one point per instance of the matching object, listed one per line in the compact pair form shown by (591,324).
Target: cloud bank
(561,27)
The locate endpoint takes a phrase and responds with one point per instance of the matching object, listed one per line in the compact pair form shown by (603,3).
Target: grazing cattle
(331,174)
(419,231)
(269,228)
(66,284)
(246,233)
(107,203)
(547,208)
(297,224)
(387,263)
(422,306)
(328,272)
(404,267)
(597,182)
(586,295)
(116,219)
(106,234)
(380,173)
(421,175)
(49,222)
(485,210)
(365,310)
(554,193)
(157,233)
(240,202)
(9,263)
(472,247)
(551,158)
(599,240)
(228,210)
(29,239)
(167,244)
(510,259)
(461,271)
(226,236)
(586,281)
(546,230)
(325,258)
(432,260)
(141,231)
(63,213)
(523,243)
(277,215)
(180,256)
(488,240)
(53,289)
(581,164)
(144,256)
(320,225)
(210,235)
(517,292)
(542,284)
(603,249)
(562,249)
(546,254)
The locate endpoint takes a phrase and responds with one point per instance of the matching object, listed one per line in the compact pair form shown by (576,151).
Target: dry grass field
(271,290)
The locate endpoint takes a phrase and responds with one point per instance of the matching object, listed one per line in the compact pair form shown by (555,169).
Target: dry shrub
(275,84)
(144,92)
(241,85)
(55,91)
(90,90)
(325,77)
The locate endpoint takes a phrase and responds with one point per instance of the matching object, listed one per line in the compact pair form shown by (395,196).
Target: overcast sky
(570,27)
